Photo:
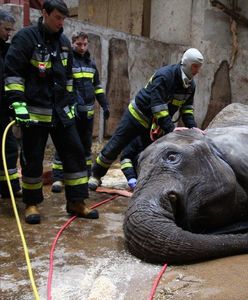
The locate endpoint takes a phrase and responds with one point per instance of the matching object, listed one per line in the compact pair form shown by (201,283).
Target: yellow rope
(36,295)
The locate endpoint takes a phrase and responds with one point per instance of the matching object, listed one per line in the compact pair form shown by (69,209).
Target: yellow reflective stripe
(32,186)
(89,162)
(90,113)
(98,160)
(69,88)
(35,63)
(126,165)
(40,118)
(178,102)
(83,75)
(137,116)
(77,181)
(99,91)
(57,167)
(11,177)
(161,114)
(188,111)
(14,87)
(64,62)
(70,115)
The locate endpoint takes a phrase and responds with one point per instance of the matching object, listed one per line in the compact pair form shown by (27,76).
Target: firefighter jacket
(86,83)
(164,94)
(38,71)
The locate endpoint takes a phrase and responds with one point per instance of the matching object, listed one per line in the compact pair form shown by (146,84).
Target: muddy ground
(91,262)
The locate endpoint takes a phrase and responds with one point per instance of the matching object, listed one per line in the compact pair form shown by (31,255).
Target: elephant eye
(172,157)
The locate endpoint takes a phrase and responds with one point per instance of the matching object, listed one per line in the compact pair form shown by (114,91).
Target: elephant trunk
(152,235)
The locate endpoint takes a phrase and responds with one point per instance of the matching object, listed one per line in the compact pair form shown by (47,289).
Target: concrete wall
(177,25)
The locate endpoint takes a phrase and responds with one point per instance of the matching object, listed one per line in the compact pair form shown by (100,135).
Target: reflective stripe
(83,75)
(88,162)
(104,159)
(126,165)
(74,182)
(57,166)
(90,114)
(31,179)
(99,91)
(161,114)
(11,177)
(75,175)
(14,79)
(158,108)
(69,88)
(69,85)
(30,183)
(101,163)
(40,114)
(188,111)
(36,63)
(68,112)
(14,87)
(87,107)
(10,171)
(178,102)
(32,186)
(64,62)
(40,118)
(137,116)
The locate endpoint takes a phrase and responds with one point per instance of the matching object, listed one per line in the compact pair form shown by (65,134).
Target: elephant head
(189,188)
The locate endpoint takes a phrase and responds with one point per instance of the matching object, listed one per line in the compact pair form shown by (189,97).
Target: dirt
(92,263)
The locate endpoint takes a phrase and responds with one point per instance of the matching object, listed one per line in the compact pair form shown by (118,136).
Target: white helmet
(191,56)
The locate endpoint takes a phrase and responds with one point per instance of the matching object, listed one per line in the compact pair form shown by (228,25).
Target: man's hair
(51,5)
(6,17)
(78,35)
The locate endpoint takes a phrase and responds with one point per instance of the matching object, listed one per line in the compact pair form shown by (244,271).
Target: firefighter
(86,87)
(130,154)
(38,87)
(7,22)
(169,89)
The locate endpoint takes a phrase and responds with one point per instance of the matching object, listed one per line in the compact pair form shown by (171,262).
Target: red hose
(50,274)
(156,282)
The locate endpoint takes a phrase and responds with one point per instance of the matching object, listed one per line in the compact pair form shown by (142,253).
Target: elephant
(191,199)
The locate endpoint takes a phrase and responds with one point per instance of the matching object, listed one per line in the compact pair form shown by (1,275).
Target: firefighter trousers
(128,129)
(67,142)
(84,127)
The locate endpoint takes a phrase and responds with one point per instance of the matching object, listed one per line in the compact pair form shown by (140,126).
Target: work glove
(21,113)
(106,113)
(132,183)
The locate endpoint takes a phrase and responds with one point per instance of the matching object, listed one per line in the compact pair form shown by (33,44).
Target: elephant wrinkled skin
(190,203)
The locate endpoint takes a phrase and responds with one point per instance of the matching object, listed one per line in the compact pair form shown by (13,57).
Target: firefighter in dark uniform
(170,89)
(38,87)
(130,154)
(11,148)
(86,87)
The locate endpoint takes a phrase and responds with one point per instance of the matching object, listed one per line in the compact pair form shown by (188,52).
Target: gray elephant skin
(190,203)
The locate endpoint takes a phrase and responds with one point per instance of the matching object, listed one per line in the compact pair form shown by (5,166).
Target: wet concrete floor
(91,262)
